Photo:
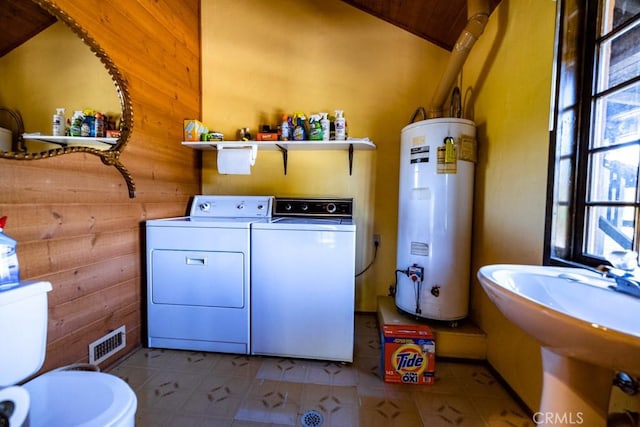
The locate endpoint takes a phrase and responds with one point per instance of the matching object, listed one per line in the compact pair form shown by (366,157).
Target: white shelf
(284,146)
(73,140)
(358,144)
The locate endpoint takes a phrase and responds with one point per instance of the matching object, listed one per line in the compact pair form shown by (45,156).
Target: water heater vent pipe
(477,17)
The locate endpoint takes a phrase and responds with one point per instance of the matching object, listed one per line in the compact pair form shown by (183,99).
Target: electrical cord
(392,288)
(375,253)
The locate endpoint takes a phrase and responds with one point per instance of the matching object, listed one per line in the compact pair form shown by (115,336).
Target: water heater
(437,162)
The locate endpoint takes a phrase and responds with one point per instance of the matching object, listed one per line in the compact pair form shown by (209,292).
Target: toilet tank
(23,331)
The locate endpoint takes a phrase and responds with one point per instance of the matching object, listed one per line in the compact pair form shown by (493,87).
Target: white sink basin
(587,331)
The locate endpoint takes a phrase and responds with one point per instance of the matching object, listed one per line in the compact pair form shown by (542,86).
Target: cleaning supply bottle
(326,126)
(300,131)
(99,125)
(285,130)
(315,130)
(76,123)
(9,269)
(341,131)
(59,122)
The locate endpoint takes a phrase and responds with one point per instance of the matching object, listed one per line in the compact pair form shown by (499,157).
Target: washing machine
(198,279)
(303,280)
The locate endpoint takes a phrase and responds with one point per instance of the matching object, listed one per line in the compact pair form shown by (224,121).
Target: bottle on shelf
(99,125)
(315,129)
(326,126)
(340,124)
(285,129)
(59,123)
(300,131)
(76,123)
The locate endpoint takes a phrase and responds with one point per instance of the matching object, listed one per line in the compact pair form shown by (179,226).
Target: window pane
(617,117)
(613,175)
(567,127)
(560,231)
(619,58)
(617,12)
(608,229)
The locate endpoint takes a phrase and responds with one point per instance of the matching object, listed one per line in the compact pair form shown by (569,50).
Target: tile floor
(185,388)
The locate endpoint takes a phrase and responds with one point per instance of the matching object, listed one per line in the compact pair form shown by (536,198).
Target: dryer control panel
(211,206)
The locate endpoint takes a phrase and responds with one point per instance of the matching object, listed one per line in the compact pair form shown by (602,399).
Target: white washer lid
(79,398)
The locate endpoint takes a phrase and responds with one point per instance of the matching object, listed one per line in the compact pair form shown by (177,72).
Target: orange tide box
(409,353)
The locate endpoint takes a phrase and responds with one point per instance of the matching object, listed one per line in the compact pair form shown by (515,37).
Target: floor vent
(108,345)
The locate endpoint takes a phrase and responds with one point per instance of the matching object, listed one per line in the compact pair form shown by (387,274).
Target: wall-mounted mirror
(47,62)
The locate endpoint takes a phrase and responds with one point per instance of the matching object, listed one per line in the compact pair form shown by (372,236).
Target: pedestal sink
(587,333)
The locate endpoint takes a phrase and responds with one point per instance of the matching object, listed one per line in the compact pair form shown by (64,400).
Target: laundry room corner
(332,49)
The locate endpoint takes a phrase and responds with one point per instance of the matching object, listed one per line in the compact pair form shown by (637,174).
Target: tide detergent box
(409,354)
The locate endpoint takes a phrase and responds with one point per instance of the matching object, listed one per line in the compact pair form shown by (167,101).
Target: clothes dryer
(198,281)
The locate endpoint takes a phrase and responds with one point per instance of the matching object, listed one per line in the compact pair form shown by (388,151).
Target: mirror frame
(110,157)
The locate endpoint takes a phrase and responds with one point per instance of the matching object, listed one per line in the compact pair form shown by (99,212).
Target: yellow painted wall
(509,73)
(55,69)
(262,58)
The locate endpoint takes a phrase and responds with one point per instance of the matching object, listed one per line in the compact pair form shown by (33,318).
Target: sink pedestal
(573,392)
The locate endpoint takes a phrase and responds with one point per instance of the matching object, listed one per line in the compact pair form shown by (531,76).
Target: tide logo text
(409,360)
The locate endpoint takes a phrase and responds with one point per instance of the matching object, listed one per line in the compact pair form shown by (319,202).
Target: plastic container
(99,125)
(325,124)
(76,123)
(59,122)
(341,128)
(315,129)
(300,131)
(88,127)
(9,269)
(285,129)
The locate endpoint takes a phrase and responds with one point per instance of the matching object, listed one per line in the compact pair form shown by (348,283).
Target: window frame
(575,82)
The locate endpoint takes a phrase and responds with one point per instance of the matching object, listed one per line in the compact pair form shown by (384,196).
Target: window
(594,194)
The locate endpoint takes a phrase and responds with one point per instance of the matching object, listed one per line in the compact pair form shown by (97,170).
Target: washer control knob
(288,207)
(331,207)
(205,207)
(260,206)
(304,207)
(240,206)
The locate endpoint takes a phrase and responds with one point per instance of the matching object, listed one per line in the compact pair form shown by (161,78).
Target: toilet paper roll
(236,161)
(17,398)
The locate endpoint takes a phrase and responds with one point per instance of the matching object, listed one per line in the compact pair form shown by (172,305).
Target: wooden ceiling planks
(21,20)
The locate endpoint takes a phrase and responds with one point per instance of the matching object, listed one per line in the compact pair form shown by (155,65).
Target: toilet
(56,398)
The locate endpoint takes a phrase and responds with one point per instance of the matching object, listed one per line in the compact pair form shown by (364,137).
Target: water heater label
(419,248)
(420,154)
(468,149)
(445,165)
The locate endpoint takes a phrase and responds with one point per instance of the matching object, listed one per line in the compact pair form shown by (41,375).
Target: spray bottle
(9,269)
(341,130)
(300,131)
(315,130)
(326,126)
(76,123)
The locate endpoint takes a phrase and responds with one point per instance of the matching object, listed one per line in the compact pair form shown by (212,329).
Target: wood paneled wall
(75,225)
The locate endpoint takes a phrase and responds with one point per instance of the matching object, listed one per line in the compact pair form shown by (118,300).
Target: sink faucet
(626,282)
(625,267)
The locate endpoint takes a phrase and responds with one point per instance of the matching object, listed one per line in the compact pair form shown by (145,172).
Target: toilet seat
(80,398)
